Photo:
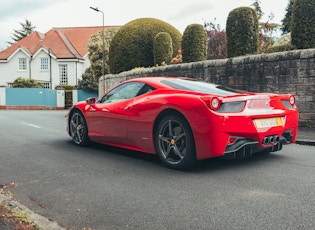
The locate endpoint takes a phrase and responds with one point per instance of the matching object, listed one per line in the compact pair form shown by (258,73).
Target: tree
(216,41)
(88,82)
(27,29)
(92,74)
(242,32)
(303,24)
(132,45)
(162,49)
(95,47)
(257,8)
(286,21)
(266,30)
(194,44)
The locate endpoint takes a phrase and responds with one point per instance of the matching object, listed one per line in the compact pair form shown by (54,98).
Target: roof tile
(63,42)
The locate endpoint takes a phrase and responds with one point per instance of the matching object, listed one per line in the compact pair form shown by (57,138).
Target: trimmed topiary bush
(194,44)
(162,49)
(303,24)
(242,32)
(132,45)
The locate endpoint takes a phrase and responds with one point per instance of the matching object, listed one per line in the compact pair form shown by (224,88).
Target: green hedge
(303,24)
(194,44)
(163,49)
(132,45)
(242,32)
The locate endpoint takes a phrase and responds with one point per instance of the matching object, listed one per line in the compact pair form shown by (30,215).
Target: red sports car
(185,120)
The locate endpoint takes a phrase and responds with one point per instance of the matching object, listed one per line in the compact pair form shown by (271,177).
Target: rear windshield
(198,86)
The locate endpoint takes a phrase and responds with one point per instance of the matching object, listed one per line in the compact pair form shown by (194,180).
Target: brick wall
(283,72)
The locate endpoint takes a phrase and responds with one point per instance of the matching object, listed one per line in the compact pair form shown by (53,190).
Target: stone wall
(283,72)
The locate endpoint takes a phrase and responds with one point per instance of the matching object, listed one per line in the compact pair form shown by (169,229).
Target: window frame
(122,92)
(63,74)
(22,64)
(44,62)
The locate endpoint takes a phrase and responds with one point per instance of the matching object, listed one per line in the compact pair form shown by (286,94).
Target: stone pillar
(60,97)
(2,96)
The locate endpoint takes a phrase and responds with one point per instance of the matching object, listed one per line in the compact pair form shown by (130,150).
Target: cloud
(23,8)
(191,10)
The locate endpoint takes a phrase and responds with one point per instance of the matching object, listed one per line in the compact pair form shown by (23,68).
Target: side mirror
(90,100)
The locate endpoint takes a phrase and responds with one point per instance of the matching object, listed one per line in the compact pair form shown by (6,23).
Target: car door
(108,118)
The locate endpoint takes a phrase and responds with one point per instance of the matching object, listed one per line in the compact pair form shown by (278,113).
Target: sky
(47,14)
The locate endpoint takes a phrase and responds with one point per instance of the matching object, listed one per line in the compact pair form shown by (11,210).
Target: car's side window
(123,92)
(145,89)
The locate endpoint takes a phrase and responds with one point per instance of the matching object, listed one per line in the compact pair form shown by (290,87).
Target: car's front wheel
(78,129)
(174,142)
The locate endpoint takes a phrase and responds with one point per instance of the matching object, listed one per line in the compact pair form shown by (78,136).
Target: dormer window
(22,64)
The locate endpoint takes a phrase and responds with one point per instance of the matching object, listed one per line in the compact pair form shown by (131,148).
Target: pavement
(306,136)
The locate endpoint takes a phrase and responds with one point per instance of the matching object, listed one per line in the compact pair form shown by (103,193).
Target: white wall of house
(37,73)
(71,69)
(9,70)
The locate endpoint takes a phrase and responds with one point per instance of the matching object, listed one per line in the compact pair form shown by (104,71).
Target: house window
(44,63)
(63,74)
(22,64)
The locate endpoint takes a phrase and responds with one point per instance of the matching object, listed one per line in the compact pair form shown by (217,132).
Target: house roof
(63,42)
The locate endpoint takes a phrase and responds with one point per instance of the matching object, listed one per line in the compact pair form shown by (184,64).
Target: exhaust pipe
(270,140)
(266,141)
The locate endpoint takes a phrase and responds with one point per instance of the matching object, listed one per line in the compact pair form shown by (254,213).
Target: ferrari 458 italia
(184,120)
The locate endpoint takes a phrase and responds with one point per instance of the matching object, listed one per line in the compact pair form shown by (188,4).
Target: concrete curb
(42,222)
(305,142)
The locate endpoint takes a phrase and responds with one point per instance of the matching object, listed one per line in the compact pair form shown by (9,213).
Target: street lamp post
(103,59)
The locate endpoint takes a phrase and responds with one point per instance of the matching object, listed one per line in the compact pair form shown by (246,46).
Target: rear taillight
(289,101)
(215,103)
(212,102)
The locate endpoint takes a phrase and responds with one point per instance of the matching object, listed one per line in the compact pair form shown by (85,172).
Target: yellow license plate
(268,122)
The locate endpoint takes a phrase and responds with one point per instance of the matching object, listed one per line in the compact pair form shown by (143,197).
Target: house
(58,57)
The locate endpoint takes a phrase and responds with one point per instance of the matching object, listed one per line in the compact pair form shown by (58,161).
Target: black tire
(174,142)
(78,129)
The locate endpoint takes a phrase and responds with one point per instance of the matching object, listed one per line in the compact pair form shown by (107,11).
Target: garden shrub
(242,32)
(26,83)
(132,45)
(194,44)
(162,49)
(303,24)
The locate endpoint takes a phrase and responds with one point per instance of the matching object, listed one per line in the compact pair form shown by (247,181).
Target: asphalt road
(101,187)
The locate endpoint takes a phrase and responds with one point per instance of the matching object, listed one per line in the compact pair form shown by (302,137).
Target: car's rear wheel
(78,129)
(174,142)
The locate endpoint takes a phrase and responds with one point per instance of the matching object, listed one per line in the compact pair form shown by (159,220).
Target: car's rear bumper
(246,147)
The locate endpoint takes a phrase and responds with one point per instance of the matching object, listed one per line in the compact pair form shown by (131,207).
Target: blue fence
(31,97)
(82,95)
(40,97)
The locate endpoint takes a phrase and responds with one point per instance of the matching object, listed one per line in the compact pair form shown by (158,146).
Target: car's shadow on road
(208,165)
(218,164)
